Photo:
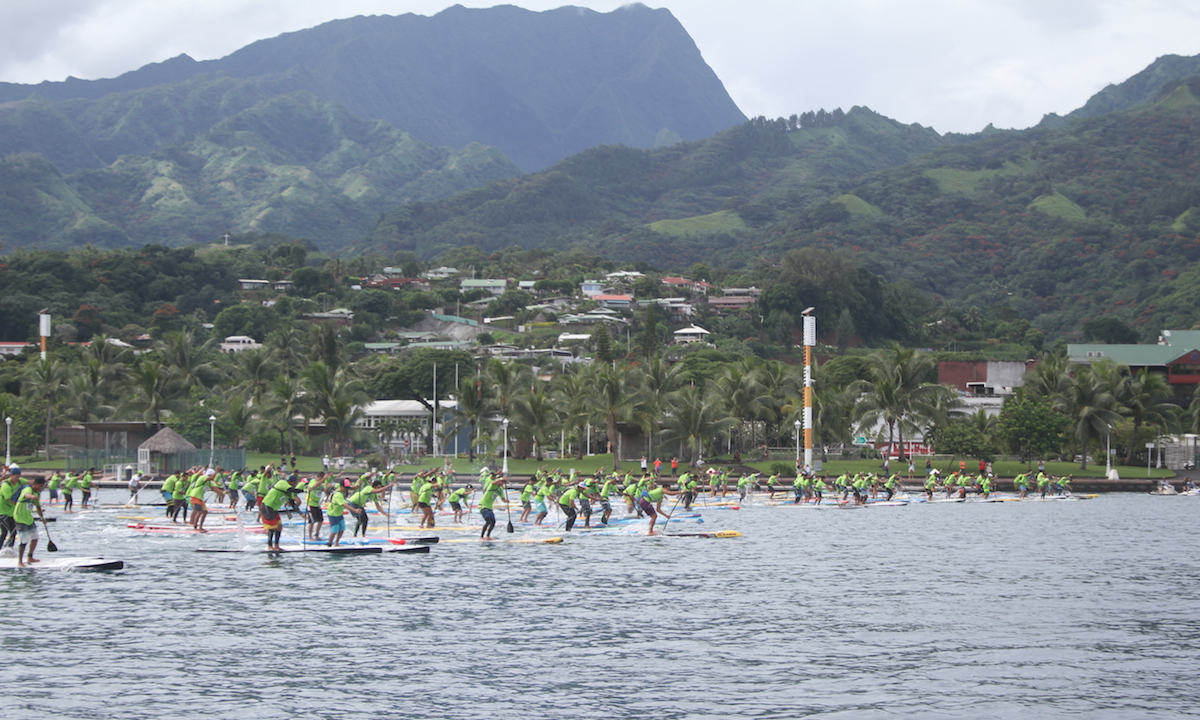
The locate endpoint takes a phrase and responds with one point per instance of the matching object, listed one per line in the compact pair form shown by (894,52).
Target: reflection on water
(1001,610)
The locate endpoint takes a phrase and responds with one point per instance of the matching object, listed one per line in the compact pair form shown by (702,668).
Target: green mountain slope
(537,85)
(613,197)
(1050,226)
(290,163)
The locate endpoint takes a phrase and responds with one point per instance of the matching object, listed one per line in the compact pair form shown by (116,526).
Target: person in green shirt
(457,499)
(85,485)
(818,489)
(357,504)
(491,491)
(1021,482)
(985,486)
(10,487)
(526,501)
(930,484)
(201,483)
(27,534)
(566,501)
(313,491)
(68,486)
(168,492)
(650,500)
(52,486)
(179,499)
(337,516)
(280,493)
(425,501)
(543,509)
(606,491)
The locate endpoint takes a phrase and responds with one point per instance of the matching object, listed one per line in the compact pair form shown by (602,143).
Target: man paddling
(282,492)
(357,504)
(10,489)
(27,534)
(491,491)
(337,515)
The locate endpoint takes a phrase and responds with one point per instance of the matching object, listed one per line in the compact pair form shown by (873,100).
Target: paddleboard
(527,541)
(717,534)
(65,563)
(339,550)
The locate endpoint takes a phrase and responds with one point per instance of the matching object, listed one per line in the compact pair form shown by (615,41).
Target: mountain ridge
(537,86)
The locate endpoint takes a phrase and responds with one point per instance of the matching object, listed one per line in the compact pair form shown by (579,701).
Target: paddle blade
(51,546)
(510,526)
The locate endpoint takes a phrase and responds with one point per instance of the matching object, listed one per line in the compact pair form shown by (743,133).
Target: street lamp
(797,424)
(8,441)
(1108,454)
(504,468)
(212,432)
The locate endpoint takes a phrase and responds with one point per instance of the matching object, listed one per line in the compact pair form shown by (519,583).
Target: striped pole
(810,339)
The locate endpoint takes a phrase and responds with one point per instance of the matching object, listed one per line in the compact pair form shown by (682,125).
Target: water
(1005,610)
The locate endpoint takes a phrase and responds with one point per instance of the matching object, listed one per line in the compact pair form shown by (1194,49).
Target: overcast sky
(954,65)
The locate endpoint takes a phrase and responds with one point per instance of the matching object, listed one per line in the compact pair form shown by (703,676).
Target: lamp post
(212,434)
(504,467)
(8,441)
(797,423)
(1108,454)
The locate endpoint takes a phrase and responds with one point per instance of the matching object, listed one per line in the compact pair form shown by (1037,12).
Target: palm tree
(1091,407)
(287,343)
(180,352)
(154,389)
(536,417)
(239,414)
(740,394)
(253,371)
(1143,396)
(575,391)
(46,380)
(656,381)
(694,419)
(283,405)
(85,402)
(473,409)
(615,396)
(897,393)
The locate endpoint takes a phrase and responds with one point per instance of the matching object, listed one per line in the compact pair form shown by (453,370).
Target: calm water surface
(1002,610)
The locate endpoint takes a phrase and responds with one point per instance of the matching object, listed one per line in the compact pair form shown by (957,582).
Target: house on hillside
(250,284)
(441,273)
(691,334)
(495,286)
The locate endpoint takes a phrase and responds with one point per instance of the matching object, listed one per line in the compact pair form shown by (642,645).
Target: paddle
(508,509)
(667,522)
(50,546)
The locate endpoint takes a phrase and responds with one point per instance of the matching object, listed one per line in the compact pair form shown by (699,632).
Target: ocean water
(1000,610)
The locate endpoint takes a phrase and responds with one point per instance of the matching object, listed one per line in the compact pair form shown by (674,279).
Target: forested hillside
(229,157)
(539,86)
(670,206)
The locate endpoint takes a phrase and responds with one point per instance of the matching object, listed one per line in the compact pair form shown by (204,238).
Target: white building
(691,334)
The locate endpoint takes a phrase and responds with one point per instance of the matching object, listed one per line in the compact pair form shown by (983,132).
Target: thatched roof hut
(167,442)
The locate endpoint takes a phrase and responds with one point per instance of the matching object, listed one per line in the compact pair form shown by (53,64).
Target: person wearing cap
(425,501)
(336,510)
(135,484)
(491,491)
(457,498)
(281,492)
(27,534)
